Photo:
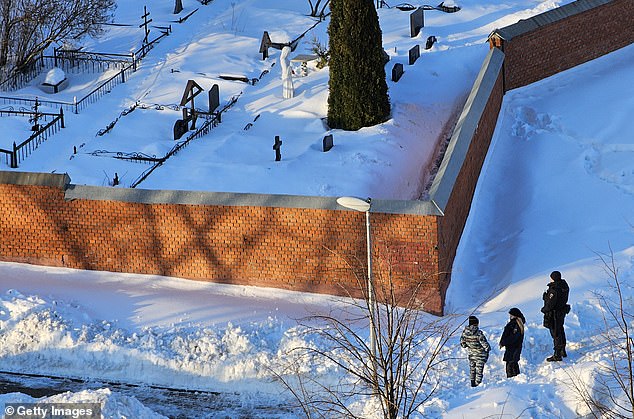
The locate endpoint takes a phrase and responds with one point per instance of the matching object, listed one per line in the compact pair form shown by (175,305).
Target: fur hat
(515,312)
(555,275)
(473,320)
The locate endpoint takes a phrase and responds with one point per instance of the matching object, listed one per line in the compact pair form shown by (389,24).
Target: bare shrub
(397,374)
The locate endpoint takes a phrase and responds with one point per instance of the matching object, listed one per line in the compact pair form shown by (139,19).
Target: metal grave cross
(145,24)
(278,148)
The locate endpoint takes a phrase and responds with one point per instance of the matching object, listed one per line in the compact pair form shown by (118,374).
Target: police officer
(555,309)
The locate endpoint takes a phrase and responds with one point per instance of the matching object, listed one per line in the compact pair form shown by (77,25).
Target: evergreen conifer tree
(358,90)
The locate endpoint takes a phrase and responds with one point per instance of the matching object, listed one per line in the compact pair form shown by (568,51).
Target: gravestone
(416,22)
(431,40)
(180,128)
(397,72)
(414,53)
(278,148)
(327,143)
(178,6)
(214,98)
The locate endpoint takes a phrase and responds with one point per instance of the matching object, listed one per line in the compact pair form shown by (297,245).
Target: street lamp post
(358,204)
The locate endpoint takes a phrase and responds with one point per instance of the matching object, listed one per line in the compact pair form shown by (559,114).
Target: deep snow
(556,190)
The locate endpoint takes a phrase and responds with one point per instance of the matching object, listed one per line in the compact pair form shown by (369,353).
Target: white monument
(288,91)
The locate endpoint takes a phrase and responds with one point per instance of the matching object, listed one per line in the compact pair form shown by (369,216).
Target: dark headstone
(180,128)
(414,53)
(327,142)
(431,40)
(214,98)
(416,22)
(278,148)
(178,6)
(397,72)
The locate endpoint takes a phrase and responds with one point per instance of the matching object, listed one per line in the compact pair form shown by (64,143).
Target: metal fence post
(14,157)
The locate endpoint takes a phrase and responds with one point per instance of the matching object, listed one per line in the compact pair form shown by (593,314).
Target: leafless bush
(28,27)
(399,373)
(611,392)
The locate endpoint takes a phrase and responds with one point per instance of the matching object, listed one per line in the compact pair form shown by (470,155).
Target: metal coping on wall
(551,16)
(38,179)
(147,196)
(465,129)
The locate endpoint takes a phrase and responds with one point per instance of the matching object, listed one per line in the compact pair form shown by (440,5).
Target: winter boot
(563,353)
(473,383)
(554,358)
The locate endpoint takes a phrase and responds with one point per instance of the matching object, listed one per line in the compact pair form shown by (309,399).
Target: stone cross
(278,148)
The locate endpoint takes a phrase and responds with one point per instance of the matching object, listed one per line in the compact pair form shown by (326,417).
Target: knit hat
(555,275)
(473,320)
(517,313)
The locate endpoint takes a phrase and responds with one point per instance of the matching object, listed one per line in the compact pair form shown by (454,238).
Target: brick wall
(303,249)
(563,43)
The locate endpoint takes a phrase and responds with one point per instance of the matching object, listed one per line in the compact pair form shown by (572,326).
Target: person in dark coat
(476,343)
(512,339)
(555,309)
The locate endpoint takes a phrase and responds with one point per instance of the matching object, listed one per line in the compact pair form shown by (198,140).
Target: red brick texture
(313,250)
(566,43)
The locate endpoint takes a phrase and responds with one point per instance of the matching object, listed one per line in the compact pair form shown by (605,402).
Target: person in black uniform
(555,309)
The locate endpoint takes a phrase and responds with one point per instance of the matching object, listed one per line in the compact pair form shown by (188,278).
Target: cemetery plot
(124,140)
(128,148)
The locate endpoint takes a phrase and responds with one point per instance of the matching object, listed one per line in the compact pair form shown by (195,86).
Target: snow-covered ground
(556,191)
(389,161)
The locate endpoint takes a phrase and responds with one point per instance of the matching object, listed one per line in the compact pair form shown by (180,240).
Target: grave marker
(414,53)
(189,114)
(327,143)
(145,24)
(416,22)
(397,72)
(431,40)
(180,128)
(278,148)
(264,45)
(214,98)
(191,91)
